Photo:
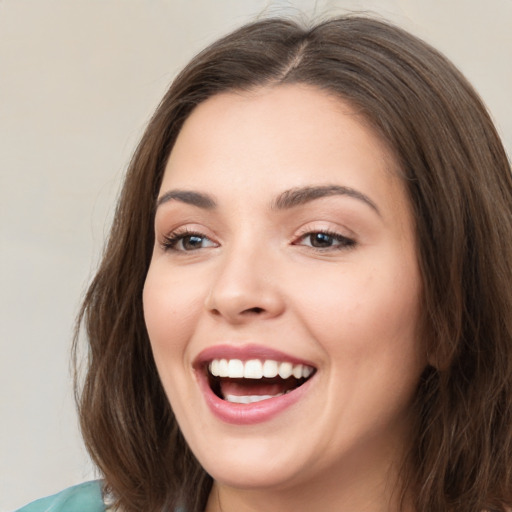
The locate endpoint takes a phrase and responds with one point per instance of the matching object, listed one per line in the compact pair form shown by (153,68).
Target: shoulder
(86,497)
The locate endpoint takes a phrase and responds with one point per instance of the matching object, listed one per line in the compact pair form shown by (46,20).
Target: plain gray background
(78,81)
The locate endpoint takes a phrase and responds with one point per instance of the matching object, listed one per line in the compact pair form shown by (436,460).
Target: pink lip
(246,414)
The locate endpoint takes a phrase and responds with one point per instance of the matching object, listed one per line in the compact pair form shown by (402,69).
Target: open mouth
(246,382)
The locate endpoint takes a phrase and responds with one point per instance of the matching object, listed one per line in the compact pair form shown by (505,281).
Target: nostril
(255,310)
(246,312)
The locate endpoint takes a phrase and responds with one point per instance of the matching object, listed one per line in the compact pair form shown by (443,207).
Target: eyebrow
(284,201)
(301,195)
(198,199)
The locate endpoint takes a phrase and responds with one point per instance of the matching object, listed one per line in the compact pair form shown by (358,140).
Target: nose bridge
(244,285)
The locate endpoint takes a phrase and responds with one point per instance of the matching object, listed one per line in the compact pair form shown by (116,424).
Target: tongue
(254,387)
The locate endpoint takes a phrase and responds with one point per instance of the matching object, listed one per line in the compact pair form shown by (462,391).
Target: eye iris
(192,242)
(321,240)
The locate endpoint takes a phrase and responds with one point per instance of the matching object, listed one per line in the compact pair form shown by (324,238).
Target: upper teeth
(256,369)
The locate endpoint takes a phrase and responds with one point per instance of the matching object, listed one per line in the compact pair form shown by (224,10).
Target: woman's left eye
(325,240)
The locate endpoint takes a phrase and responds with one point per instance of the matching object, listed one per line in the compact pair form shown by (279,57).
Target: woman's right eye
(186,242)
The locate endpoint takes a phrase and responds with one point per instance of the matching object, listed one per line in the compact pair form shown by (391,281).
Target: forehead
(277,138)
(278,120)
(301,110)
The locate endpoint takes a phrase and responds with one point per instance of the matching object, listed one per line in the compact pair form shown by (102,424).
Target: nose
(245,288)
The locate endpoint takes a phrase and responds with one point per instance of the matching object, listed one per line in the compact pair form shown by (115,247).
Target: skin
(254,277)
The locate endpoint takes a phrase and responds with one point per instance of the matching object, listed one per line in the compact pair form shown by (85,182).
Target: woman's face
(285,244)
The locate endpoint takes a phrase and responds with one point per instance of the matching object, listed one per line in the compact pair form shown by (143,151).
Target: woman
(304,303)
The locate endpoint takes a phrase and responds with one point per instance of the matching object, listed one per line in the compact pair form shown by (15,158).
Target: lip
(257,412)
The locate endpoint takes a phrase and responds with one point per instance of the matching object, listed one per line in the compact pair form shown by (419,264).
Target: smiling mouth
(246,382)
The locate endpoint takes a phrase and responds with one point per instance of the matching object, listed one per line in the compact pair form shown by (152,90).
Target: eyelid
(346,238)
(170,240)
(332,228)
(342,242)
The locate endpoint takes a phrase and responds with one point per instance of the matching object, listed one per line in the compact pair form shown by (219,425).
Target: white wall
(78,81)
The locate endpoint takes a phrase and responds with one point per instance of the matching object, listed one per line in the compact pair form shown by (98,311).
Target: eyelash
(344,242)
(172,240)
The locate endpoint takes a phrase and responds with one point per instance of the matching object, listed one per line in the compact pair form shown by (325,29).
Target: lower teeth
(248,399)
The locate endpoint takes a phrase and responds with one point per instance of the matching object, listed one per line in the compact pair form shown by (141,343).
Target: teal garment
(86,497)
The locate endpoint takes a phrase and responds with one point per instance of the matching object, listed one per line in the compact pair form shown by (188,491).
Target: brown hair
(460,187)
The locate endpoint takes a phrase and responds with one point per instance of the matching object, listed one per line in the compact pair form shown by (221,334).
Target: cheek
(170,313)
(360,312)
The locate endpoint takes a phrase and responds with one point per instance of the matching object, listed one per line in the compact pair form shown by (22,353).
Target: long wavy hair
(459,184)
